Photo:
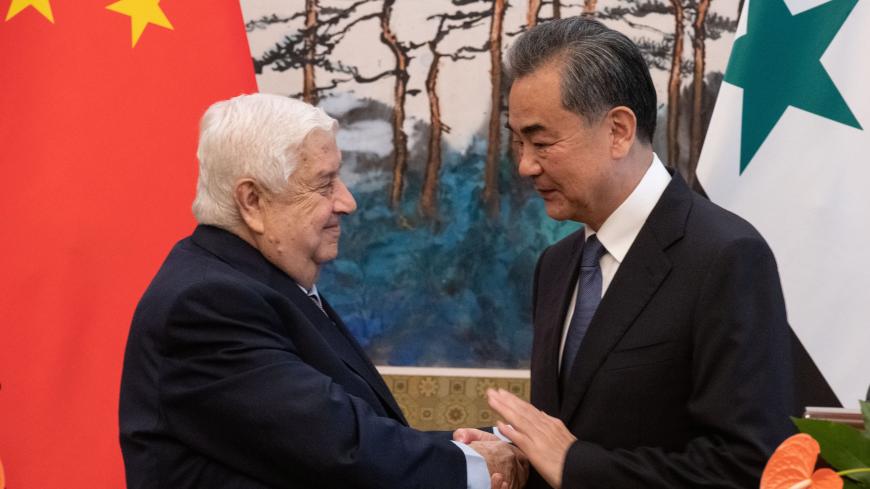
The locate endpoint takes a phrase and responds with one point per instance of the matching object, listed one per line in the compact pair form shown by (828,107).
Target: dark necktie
(588,297)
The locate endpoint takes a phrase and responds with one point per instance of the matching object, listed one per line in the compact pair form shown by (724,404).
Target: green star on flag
(778,64)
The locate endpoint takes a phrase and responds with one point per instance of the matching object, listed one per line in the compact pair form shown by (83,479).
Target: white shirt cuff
(497,433)
(475,464)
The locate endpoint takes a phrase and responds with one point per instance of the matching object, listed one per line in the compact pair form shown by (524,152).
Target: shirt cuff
(497,433)
(475,465)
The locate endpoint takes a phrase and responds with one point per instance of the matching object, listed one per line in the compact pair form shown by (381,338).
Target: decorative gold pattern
(447,403)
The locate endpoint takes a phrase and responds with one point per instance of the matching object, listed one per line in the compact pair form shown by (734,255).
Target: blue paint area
(455,292)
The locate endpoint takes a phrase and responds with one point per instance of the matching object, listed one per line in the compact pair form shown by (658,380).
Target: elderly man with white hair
(237,373)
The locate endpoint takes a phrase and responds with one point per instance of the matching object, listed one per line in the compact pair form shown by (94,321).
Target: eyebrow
(527,130)
(328,174)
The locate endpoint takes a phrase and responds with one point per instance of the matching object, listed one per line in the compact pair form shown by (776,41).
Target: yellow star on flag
(41,6)
(141,13)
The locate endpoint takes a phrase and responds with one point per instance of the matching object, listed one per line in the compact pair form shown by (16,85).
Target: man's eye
(540,145)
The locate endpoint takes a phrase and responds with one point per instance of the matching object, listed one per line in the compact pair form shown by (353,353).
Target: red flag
(99,106)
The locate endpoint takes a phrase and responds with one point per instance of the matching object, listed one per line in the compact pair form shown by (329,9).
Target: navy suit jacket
(684,378)
(233,378)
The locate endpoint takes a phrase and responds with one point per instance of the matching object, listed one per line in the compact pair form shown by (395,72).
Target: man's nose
(528,166)
(344,201)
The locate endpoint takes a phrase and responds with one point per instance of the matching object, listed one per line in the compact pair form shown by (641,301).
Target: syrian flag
(788,148)
(99,108)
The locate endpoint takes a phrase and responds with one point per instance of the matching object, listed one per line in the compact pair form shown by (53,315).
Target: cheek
(314,212)
(323,212)
(563,172)
(275,228)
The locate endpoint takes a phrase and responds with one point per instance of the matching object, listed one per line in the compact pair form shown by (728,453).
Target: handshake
(536,439)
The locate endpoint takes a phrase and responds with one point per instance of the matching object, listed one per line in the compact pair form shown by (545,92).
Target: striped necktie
(314,296)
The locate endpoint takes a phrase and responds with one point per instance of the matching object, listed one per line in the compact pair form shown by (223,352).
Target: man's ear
(623,131)
(250,200)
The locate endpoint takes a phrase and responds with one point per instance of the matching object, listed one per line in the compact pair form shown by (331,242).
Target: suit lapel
(341,341)
(549,320)
(639,276)
(364,366)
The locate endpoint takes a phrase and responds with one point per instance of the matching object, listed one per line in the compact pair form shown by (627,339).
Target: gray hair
(250,136)
(601,68)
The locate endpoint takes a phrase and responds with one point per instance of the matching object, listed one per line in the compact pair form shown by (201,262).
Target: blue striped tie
(588,297)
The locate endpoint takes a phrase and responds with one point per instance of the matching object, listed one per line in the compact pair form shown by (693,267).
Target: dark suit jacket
(233,378)
(683,379)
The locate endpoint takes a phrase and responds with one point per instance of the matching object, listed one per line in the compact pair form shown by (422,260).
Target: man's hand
(508,466)
(468,435)
(544,439)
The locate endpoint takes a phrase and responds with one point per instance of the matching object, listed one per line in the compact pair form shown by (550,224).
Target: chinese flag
(99,108)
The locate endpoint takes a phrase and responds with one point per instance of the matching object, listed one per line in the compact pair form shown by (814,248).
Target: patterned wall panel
(436,402)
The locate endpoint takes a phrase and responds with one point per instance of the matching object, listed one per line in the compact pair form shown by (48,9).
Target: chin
(557,212)
(327,255)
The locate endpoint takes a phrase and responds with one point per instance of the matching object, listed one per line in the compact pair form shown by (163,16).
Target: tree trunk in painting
(493,153)
(589,7)
(400,139)
(674,86)
(557,9)
(695,136)
(309,93)
(429,196)
(533,13)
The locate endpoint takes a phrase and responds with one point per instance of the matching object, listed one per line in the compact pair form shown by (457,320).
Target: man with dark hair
(661,354)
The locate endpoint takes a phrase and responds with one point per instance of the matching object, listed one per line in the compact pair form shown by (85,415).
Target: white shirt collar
(622,226)
(313,290)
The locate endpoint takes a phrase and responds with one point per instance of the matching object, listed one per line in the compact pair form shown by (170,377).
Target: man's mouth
(545,191)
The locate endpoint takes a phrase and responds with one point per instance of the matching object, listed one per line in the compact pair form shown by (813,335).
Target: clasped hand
(542,440)
(508,466)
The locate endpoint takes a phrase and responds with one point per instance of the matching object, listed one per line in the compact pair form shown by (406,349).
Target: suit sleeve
(741,387)
(234,388)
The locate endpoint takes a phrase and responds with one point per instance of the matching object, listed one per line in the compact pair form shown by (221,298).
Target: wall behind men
(436,266)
